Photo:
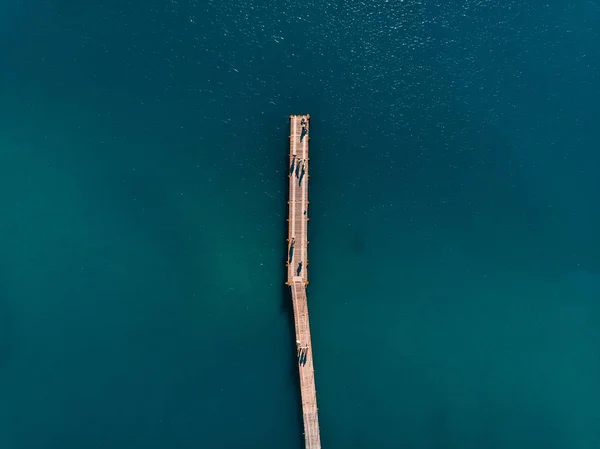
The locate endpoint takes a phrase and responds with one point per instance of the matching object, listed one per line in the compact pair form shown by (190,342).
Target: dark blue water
(455,228)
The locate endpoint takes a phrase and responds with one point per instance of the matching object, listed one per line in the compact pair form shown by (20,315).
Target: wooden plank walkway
(297,263)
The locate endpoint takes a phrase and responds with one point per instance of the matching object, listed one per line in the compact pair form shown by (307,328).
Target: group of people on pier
(297,169)
(302,352)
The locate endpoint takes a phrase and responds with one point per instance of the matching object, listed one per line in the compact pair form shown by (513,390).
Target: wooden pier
(297,278)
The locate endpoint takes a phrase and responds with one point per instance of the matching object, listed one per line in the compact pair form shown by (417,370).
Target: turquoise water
(455,276)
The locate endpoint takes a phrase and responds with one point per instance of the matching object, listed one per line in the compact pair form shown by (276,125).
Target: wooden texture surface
(297,262)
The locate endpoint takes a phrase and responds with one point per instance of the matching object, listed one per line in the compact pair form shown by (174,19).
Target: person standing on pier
(291,251)
(304,132)
(302,173)
(304,128)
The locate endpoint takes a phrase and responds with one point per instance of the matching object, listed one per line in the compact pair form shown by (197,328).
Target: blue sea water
(455,228)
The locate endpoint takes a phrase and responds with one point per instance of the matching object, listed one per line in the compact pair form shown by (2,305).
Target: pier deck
(297,264)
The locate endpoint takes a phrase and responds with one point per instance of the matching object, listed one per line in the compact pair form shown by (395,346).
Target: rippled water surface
(455,228)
